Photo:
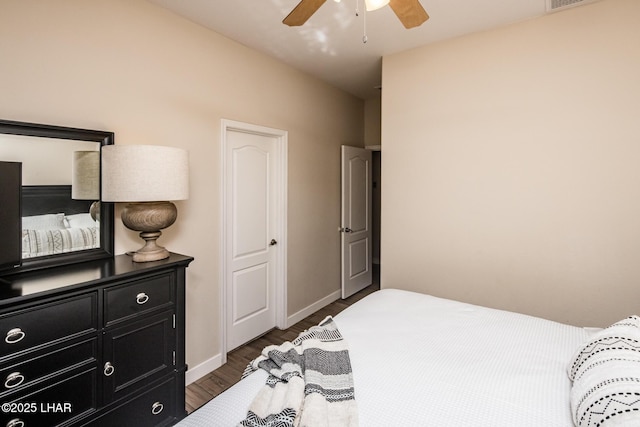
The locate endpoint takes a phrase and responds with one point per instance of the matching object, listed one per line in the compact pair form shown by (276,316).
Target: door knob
(346,230)
(273,242)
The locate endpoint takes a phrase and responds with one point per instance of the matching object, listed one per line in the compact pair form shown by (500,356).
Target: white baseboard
(308,311)
(202,369)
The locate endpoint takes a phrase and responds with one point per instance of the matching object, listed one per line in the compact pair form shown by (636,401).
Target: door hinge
(174,321)
(174,358)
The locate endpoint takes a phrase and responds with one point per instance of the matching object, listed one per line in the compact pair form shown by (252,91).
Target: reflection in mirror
(53,222)
(85,183)
(62,219)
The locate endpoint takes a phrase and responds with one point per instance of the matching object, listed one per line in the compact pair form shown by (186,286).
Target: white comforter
(424,361)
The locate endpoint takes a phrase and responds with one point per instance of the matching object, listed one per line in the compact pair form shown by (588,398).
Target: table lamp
(147,178)
(85,179)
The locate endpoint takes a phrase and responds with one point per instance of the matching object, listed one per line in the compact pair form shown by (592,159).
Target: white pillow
(37,243)
(43,222)
(82,220)
(622,336)
(606,377)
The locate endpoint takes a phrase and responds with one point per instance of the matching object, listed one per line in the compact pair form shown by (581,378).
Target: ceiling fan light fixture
(375,4)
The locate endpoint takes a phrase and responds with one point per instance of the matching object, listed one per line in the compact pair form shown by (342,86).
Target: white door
(356,220)
(253,233)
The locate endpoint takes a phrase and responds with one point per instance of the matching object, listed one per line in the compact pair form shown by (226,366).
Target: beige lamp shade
(144,173)
(85,181)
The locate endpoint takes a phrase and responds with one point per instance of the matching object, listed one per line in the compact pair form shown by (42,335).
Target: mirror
(63,220)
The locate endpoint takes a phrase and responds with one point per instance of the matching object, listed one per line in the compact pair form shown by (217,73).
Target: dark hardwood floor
(214,383)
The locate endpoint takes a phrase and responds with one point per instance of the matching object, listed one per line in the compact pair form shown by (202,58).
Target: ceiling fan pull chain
(364,37)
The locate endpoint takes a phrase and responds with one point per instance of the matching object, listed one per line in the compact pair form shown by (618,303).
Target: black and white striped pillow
(606,377)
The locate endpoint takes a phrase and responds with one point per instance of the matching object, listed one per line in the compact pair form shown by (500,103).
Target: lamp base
(149,218)
(151,251)
(94,211)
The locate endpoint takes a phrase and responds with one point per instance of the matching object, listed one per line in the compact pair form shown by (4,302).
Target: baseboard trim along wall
(199,371)
(202,369)
(309,310)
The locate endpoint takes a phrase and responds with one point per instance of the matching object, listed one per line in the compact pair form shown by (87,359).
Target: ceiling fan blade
(409,12)
(302,12)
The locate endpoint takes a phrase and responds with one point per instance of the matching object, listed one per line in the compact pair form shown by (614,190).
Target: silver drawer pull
(156,408)
(14,335)
(16,422)
(108,369)
(13,380)
(142,298)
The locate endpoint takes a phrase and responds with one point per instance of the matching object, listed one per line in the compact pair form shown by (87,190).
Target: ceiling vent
(553,5)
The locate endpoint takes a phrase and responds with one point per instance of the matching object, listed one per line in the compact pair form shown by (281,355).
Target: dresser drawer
(55,404)
(38,368)
(33,327)
(153,408)
(139,296)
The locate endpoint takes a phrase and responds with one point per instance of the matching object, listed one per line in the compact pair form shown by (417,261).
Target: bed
(419,360)
(54,223)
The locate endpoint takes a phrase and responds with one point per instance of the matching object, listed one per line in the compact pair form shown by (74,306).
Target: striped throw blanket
(310,382)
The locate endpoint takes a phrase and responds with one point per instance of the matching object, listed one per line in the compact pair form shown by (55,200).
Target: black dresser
(100,343)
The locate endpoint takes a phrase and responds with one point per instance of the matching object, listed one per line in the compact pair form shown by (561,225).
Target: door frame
(281,138)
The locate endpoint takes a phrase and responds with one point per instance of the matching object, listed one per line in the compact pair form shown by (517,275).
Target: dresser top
(41,283)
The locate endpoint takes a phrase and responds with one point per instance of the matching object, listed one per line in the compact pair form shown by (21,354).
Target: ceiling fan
(410,12)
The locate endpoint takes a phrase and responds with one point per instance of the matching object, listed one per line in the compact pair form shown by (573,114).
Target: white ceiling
(329,45)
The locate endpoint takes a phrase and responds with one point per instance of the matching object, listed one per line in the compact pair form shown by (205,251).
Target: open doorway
(360,218)
(376,161)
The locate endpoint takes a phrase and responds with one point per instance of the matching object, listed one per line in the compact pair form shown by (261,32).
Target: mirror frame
(106,209)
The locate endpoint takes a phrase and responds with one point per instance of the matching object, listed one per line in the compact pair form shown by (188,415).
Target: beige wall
(511,166)
(44,161)
(153,78)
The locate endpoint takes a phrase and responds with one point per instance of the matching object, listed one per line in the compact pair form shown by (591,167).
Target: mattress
(420,360)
